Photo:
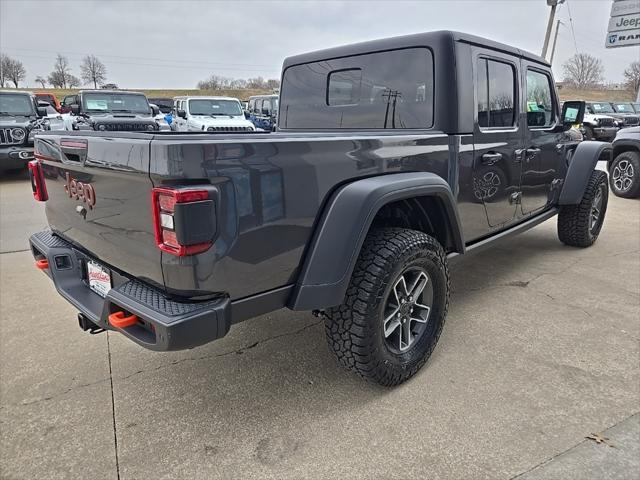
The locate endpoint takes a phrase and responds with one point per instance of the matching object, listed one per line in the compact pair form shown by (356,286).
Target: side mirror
(42,111)
(75,109)
(572,113)
(182,114)
(155,110)
(247,115)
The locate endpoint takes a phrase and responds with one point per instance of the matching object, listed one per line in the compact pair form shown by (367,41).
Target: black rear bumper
(163,323)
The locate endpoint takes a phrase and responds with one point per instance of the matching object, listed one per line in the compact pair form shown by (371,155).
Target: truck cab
(108,110)
(209,114)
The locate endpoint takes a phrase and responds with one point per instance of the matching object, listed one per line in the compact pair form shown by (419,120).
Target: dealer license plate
(99,278)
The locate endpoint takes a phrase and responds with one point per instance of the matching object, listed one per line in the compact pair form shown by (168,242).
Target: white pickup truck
(209,114)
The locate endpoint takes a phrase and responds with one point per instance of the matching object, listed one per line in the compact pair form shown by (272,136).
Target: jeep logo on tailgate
(80,191)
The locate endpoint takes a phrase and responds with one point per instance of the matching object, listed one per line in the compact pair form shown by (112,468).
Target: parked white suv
(209,114)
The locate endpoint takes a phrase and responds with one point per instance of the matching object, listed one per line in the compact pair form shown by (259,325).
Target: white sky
(173,44)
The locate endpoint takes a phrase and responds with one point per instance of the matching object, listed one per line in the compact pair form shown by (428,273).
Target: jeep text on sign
(625,22)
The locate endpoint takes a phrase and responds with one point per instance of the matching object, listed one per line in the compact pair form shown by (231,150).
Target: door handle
(532,152)
(491,158)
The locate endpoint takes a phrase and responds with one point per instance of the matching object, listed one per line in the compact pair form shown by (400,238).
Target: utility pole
(553,4)
(555,40)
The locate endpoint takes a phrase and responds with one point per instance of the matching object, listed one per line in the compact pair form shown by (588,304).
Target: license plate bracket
(99,278)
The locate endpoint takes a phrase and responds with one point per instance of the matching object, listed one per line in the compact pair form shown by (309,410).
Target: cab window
(382,90)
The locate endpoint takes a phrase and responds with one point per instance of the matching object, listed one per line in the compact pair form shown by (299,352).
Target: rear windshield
(214,107)
(384,90)
(115,102)
(16,105)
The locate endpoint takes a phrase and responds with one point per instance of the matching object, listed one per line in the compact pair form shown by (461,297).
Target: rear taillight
(184,220)
(38,185)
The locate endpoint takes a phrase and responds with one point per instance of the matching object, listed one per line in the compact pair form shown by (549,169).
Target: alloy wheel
(407,309)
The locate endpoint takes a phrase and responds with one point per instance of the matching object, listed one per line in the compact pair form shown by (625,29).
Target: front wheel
(394,308)
(579,225)
(624,175)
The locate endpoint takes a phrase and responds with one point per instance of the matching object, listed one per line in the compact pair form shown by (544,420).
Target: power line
(127,57)
(167,65)
(573,32)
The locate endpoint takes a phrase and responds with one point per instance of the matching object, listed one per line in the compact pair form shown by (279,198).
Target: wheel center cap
(405,309)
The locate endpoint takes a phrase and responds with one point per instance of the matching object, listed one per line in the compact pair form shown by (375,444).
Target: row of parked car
(23,114)
(602,120)
(181,114)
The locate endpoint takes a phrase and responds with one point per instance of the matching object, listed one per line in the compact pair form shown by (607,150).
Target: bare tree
(73,81)
(632,76)
(11,70)
(583,70)
(15,71)
(5,62)
(257,82)
(273,83)
(93,70)
(42,81)
(61,74)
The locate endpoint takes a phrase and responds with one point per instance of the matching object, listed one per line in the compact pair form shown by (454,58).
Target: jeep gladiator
(391,159)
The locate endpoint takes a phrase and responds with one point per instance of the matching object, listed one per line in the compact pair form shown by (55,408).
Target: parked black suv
(107,110)
(20,118)
(392,158)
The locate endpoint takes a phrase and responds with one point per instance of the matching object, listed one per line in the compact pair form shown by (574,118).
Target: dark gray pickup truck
(391,159)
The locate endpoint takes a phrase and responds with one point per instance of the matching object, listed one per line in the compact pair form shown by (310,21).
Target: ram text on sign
(625,7)
(625,22)
(623,39)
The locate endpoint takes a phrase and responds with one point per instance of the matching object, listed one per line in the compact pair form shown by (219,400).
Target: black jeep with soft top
(392,158)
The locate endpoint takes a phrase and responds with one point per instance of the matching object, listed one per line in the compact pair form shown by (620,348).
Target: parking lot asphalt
(540,350)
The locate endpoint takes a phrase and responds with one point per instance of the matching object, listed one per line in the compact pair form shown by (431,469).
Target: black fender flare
(339,234)
(582,164)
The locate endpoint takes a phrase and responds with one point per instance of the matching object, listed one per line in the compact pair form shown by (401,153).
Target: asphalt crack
(238,351)
(113,410)
(584,440)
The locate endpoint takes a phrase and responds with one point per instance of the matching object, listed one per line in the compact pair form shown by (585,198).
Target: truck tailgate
(100,199)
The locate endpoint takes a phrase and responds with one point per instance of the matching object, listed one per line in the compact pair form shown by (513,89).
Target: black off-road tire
(355,329)
(632,160)
(574,221)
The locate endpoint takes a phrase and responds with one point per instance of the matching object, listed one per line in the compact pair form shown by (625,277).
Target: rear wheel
(579,225)
(624,175)
(394,308)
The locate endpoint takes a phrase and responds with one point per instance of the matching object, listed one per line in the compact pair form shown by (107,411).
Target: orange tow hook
(118,320)
(42,264)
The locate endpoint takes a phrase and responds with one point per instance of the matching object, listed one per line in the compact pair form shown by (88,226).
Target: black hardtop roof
(104,90)
(415,40)
(16,92)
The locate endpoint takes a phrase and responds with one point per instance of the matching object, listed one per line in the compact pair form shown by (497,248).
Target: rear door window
(496,94)
(383,90)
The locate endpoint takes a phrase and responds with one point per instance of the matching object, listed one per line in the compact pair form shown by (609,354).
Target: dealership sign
(624,24)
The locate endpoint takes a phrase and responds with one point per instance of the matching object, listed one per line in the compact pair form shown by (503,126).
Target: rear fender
(344,224)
